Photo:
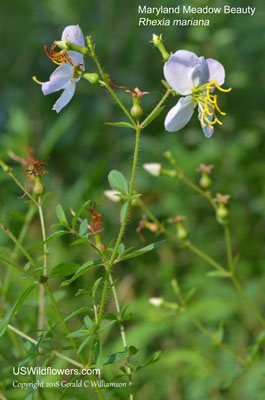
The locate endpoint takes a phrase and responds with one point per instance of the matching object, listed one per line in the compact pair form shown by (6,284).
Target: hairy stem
(41,287)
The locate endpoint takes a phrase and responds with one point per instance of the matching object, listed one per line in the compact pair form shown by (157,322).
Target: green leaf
(64,269)
(80,241)
(79,212)
(83,229)
(108,325)
(153,116)
(116,357)
(218,274)
(117,181)
(85,267)
(120,124)
(123,212)
(82,345)
(55,235)
(110,316)
(76,312)
(60,213)
(139,252)
(14,309)
(133,350)
(155,357)
(164,83)
(80,333)
(98,354)
(88,321)
(121,249)
(95,286)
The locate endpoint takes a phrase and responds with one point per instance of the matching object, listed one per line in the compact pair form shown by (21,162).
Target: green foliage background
(82,151)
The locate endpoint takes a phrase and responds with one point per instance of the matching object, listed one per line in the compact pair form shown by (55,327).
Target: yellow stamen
(37,81)
(208,103)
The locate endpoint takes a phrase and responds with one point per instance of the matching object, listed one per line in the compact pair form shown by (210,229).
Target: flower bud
(38,187)
(136,110)
(112,195)
(158,42)
(205,181)
(153,168)
(4,166)
(90,77)
(222,213)
(156,301)
(182,233)
(169,172)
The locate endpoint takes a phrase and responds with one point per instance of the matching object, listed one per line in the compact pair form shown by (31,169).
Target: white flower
(153,168)
(65,77)
(156,301)
(112,195)
(195,78)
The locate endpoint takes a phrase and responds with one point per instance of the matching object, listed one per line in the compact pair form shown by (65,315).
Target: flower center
(58,57)
(207,103)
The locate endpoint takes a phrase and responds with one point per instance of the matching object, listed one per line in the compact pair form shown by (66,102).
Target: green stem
(159,104)
(247,300)
(41,288)
(61,318)
(196,188)
(111,91)
(205,257)
(67,331)
(216,265)
(19,245)
(122,228)
(213,338)
(123,335)
(35,342)
(10,173)
(228,247)
(16,266)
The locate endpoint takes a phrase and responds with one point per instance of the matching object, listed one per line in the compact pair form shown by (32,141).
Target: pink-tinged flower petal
(207,130)
(58,79)
(183,71)
(216,71)
(65,97)
(180,114)
(74,34)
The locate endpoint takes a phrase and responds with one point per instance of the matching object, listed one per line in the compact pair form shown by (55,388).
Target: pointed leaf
(120,124)
(14,309)
(60,213)
(85,267)
(83,229)
(116,357)
(79,212)
(139,252)
(152,116)
(219,274)
(76,312)
(64,269)
(123,212)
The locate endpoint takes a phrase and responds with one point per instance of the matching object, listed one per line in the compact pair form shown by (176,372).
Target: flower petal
(74,34)
(180,114)
(65,97)
(183,71)
(207,130)
(58,79)
(216,71)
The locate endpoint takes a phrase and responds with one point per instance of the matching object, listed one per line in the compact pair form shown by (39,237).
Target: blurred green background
(82,151)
